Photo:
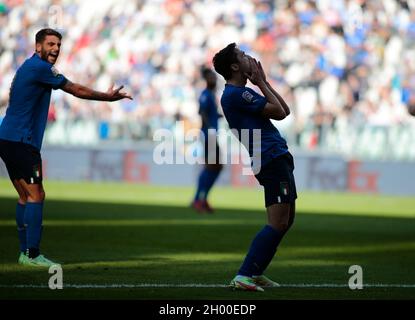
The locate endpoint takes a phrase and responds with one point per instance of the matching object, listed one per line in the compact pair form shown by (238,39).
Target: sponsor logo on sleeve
(247,96)
(54,71)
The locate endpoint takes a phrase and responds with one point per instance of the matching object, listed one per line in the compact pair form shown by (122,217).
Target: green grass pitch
(108,235)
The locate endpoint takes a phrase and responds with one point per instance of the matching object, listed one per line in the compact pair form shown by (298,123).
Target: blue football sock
(201,185)
(21,230)
(33,222)
(261,252)
(211,177)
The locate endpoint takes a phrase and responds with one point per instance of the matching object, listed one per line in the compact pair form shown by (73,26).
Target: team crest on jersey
(284,189)
(54,71)
(37,171)
(247,96)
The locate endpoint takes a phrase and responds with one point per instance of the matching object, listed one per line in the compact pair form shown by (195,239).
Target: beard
(45,55)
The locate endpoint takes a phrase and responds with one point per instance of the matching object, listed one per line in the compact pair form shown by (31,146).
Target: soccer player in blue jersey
(208,111)
(21,135)
(245,109)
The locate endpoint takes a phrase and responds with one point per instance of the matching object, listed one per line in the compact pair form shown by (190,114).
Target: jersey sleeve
(50,76)
(250,101)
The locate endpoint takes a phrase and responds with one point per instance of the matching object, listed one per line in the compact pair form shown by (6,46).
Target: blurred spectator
(353,59)
(321,121)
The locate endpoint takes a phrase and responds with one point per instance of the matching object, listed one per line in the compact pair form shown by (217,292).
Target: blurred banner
(313,172)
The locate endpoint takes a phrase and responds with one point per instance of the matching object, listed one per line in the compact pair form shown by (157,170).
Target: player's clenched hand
(114,95)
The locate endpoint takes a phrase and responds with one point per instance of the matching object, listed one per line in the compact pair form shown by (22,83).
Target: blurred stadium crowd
(346,67)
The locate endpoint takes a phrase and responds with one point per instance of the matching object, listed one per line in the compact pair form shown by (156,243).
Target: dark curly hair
(41,34)
(223,59)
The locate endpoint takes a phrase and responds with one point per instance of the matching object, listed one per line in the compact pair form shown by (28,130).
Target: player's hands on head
(261,70)
(257,74)
(115,95)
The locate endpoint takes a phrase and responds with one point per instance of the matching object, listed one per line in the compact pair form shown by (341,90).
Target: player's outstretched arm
(83,92)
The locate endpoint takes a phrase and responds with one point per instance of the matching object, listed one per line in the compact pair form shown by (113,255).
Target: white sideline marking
(202,285)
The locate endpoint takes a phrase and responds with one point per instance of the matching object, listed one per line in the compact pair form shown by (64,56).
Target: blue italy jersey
(27,113)
(209,111)
(242,108)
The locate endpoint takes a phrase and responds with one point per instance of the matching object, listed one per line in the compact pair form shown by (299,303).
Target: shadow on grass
(122,243)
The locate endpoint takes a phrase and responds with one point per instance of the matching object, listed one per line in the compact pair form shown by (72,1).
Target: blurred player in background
(208,111)
(244,109)
(21,135)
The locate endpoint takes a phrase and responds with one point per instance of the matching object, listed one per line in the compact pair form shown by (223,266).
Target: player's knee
(22,199)
(282,226)
(279,216)
(38,196)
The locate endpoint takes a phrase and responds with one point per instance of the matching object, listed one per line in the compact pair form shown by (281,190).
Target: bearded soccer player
(245,109)
(21,135)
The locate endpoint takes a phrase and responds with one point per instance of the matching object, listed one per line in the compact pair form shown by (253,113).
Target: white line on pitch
(202,285)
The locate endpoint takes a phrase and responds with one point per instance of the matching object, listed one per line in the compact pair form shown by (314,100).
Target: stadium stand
(347,68)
